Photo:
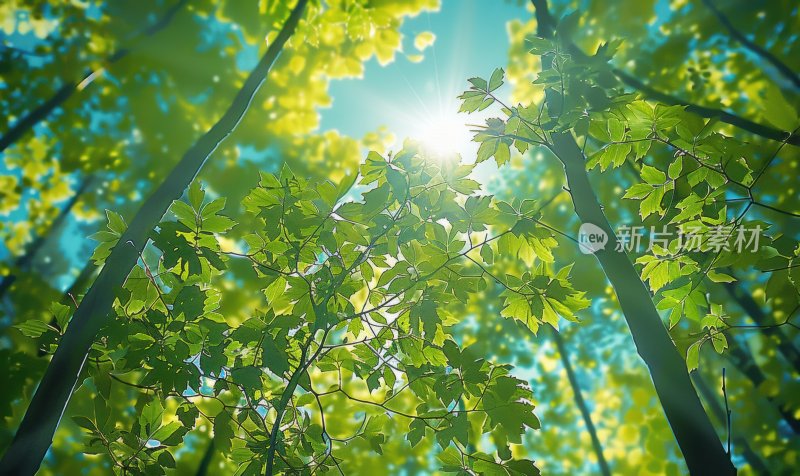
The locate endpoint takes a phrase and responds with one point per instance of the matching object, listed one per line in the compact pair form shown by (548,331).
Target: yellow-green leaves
(423,40)
(480,95)
(348,291)
(540,298)
(714,327)
(108,238)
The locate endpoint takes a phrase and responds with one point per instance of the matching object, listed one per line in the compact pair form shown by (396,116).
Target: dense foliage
(315,303)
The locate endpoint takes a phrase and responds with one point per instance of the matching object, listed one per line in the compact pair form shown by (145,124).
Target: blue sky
(471,40)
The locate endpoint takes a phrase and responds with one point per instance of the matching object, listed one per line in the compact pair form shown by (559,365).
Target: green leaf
(196,195)
(616,129)
(274,356)
(718,277)
(693,355)
(32,328)
(189,303)
(652,175)
(479,83)
(223,432)
(248,377)
(61,313)
(115,222)
(779,110)
(538,46)
(496,80)
(674,169)
(614,154)
(450,459)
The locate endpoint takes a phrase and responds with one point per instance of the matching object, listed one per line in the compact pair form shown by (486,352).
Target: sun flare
(443,135)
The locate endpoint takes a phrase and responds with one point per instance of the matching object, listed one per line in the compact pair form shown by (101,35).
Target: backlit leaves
(355,296)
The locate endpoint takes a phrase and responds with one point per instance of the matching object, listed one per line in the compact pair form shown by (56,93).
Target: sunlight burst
(444,135)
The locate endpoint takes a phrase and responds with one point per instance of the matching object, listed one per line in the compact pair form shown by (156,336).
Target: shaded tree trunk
(205,463)
(719,413)
(696,437)
(48,404)
(26,259)
(743,359)
(691,426)
(749,305)
(40,113)
(581,403)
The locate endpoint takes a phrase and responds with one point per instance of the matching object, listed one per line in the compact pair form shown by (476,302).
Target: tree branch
(66,91)
(581,403)
(48,404)
(762,52)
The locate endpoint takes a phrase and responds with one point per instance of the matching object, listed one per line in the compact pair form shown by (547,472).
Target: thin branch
(41,113)
(759,50)
(724,116)
(727,411)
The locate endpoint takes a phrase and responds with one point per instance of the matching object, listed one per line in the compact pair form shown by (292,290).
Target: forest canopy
(405,237)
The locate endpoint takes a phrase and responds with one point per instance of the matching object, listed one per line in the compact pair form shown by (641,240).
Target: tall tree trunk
(25,260)
(48,404)
(581,403)
(719,413)
(739,354)
(693,430)
(37,115)
(743,359)
(690,424)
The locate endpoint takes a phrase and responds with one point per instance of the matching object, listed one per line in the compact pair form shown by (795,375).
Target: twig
(727,412)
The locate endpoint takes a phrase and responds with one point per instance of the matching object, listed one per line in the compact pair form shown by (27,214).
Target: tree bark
(581,403)
(696,437)
(693,430)
(37,115)
(48,404)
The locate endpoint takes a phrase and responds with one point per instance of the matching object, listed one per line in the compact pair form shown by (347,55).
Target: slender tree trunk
(693,430)
(690,424)
(48,404)
(749,305)
(546,26)
(754,47)
(743,359)
(739,355)
(719,413)
(37,115)
(25,260)
(581,403)
(205,463)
